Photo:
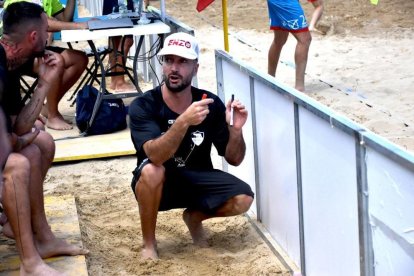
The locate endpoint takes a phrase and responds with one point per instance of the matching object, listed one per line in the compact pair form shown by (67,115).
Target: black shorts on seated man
(173,129)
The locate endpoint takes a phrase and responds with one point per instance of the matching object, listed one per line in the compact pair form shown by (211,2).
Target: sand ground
(362,68)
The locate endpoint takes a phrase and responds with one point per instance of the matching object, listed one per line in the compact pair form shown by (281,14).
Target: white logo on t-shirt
(197,137)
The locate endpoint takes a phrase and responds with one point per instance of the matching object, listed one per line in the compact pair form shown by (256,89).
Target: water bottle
(122,4)
(136,6)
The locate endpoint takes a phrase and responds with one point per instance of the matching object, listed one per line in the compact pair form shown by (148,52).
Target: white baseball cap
(181,44)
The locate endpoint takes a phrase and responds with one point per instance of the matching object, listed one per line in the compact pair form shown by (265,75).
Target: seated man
(118,82)
(173,128)
(75,61)
(16,220)
(31,262)
(24,36)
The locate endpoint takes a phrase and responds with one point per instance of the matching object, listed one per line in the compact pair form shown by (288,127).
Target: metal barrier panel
(329,192)
(336,197)
(246,170)
(276,156)
(391,212)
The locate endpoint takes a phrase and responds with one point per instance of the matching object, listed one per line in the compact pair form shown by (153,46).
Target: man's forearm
(69,11)
(57,25)
(236,147)
(30,112)
(164,147)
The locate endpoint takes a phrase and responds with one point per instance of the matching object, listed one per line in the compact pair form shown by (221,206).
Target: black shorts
(27,67)
(204,190)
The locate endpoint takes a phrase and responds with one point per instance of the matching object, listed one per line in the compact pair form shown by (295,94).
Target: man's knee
(152,175)
(280,37)
(304,38)
(32,153)
(16,165)
(75,58)
(242,203)
(81,58)
(46,144)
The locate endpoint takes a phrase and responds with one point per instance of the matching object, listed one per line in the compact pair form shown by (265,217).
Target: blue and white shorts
(287,15)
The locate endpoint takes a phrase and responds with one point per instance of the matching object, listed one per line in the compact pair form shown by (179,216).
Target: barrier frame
(365,142)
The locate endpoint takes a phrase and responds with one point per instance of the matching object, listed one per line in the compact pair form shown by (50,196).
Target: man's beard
(177,88)
(41,53)
(38,54)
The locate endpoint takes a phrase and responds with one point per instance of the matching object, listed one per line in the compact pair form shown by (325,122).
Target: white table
(157,27)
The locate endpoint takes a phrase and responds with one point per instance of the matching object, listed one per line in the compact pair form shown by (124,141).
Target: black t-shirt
(10,98)
(150,117)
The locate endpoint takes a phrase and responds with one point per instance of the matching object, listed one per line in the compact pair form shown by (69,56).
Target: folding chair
(27,88)
(91,72)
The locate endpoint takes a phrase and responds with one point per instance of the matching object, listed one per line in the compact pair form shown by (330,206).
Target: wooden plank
(63,219)
(91,147)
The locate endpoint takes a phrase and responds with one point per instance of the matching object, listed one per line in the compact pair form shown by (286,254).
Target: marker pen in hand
(231,110)
(204,96)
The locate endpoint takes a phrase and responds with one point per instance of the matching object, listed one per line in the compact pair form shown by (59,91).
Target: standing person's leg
(15,199)
(301,57)
(75,64)
(279,39)
(117,63)
(148,190)
(316,15)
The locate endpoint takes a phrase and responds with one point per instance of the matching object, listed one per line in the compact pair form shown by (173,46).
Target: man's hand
(50,66)
(196,112)
(50,71)
(20,142)
(42,119)
(239,114)
(162,148)
(236,147)
(84,25)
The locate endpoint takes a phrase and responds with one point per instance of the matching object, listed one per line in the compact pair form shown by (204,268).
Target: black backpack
(111,115)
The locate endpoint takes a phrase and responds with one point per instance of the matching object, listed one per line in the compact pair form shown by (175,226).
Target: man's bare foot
(149,254)
(40,270)
(315,30)
(44,115)
(301,88)
(58,123)
(57,247)
(195,226)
